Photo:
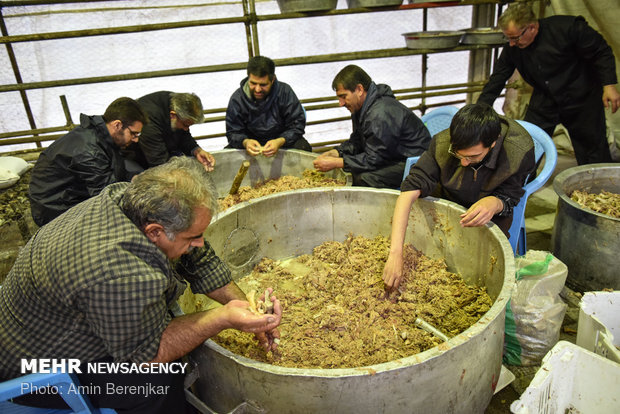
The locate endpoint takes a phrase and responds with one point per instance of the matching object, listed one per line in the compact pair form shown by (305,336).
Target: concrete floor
(539,218)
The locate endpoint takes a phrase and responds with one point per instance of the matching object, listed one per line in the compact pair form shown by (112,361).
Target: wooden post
(239,177)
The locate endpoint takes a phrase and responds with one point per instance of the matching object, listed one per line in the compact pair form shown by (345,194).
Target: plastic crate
(599,324)
(572,380)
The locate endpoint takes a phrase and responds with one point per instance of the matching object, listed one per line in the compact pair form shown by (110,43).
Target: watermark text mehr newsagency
(72,366)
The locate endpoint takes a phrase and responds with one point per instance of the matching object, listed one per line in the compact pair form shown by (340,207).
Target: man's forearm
(227,293)
(186,332)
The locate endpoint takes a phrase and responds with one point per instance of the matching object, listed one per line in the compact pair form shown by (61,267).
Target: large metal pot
(285,162)
(586,241)
(457,376)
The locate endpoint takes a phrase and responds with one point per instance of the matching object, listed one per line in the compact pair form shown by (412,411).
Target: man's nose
(341,102)
(464,162)
(198,242)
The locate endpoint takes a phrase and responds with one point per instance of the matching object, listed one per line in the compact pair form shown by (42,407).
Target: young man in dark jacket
(481,162)
(264,115)
(80,164)
(572,71)
(385,132)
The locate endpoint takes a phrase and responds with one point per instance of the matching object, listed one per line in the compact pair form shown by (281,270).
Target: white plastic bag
(11,170)
(535,312)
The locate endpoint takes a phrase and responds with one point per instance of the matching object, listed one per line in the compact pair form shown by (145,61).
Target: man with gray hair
(98,283)
(572,70)
(170,114)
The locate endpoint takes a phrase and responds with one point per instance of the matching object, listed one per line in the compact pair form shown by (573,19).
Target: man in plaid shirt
(97,284)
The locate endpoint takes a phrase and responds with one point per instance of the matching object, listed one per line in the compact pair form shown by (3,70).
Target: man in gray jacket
(385,132)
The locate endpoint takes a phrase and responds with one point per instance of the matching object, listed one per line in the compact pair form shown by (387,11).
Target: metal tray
(354,4)
(483,36)
(432,39)
(291,6)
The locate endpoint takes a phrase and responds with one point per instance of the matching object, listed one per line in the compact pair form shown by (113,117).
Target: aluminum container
(458,376)
(432,39)
(291,6)
(285,162)
(586,241)
(354,4)
(483,36)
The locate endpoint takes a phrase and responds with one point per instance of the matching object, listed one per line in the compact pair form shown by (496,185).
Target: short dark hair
(474,124)
(350,76)
(261,66)
(125,110)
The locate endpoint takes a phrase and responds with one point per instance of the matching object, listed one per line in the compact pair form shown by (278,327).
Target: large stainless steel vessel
(458,376)
(586,241)
(285,162)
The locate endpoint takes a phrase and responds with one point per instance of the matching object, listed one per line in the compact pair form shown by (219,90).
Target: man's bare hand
(611,98)
(481,212)
(252,147)
(205,159)
(393,271)
(272,146)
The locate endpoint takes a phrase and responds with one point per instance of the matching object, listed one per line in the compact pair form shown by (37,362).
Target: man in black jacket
(572,71)
(167,134)
(264,115)
(80,164)
(385,132)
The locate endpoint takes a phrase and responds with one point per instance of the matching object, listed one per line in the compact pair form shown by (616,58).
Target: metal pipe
(118,30)
(253,19)
(17,74)
(334,57)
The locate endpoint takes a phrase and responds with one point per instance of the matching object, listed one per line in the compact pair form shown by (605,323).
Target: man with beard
(385,132)
(167,134)
(264,114)
(481,162)
(80,164)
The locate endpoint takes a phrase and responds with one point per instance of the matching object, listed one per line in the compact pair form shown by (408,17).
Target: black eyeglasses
(133,133)
(516,38)
(462,157)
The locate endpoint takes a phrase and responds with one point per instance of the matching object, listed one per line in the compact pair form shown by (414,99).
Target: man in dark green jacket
(481,162)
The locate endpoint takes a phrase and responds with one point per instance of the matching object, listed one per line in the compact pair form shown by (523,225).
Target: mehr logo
(50,366)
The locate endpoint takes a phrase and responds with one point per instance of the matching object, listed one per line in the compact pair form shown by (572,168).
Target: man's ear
(117,124)
(493,144)
(154,231)
(173,115)
(359,88)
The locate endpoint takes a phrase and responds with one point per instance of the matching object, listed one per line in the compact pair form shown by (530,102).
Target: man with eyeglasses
(572,70)
(481,162)
(80,164)
(167,134)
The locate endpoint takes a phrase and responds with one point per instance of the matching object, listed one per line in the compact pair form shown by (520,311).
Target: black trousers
(584,120)
(386,177)
(125,393)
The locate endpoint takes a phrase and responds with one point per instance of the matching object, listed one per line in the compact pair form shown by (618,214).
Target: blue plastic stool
(62,381)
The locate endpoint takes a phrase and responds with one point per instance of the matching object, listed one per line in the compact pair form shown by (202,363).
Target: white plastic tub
(599,324)
(572,380)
